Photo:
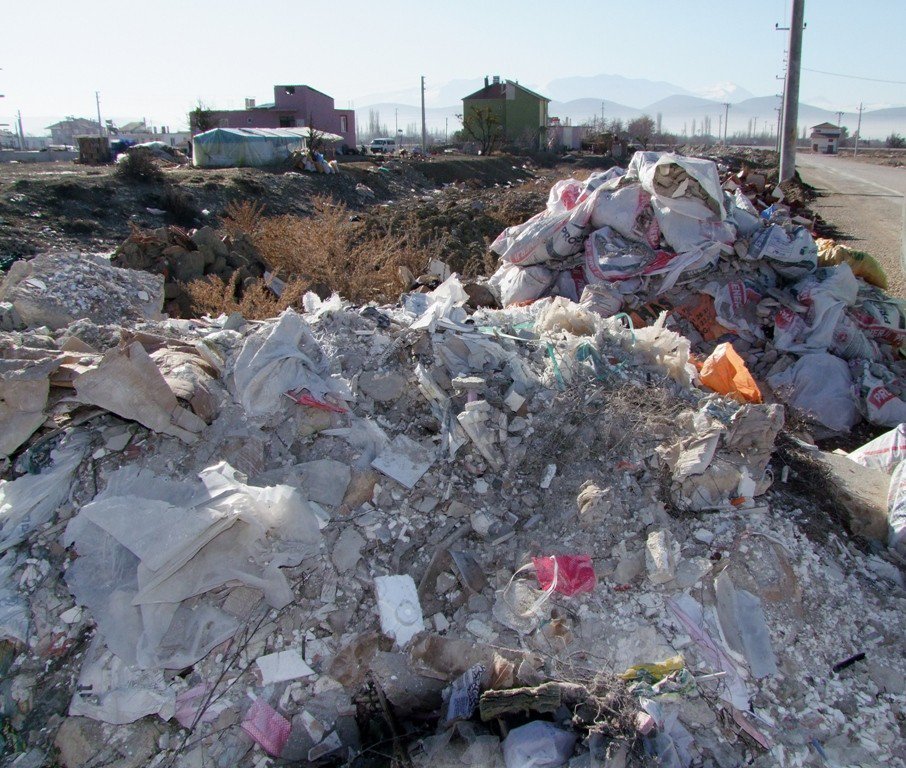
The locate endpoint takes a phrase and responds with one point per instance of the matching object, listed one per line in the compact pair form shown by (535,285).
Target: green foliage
(895,141)
(139,166)
(201,119)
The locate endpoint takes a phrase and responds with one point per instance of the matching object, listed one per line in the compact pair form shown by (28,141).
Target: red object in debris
(267,726)
(622,587)
(300,397)
(570,574)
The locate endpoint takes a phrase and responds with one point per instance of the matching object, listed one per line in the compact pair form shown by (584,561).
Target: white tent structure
(238,147)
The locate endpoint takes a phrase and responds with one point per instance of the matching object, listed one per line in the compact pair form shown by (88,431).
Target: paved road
(867,204)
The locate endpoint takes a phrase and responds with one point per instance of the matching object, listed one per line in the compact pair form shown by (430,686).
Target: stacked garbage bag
(723,261)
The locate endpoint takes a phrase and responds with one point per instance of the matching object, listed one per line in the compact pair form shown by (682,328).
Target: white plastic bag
(888,453)
(882,404)
(820,386)
(516,285)
(627,211)
(793,254)
(646,166)
(538,744)
(692,226)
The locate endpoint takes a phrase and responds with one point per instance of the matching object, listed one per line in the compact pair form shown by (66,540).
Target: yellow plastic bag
(657,670)
(863,264)
(725,372)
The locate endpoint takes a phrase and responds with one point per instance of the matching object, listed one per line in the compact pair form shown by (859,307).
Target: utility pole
(21,132)
(720,127)
(779,111)
(97,100)
(396,121)
(858,129)
(839,118)
(791,94)
(424,147)
(446,129)
(602,116)
(726,119)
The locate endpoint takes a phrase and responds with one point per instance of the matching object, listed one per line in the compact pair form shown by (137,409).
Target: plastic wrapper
(881,394)
(725,372)
(793,254)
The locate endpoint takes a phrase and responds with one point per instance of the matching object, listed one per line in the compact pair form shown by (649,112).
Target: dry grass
(243,218)
(213,296)
(327,252)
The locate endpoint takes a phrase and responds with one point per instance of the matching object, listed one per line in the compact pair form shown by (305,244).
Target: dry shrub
(214,296)
(242,218)
(139,166)
(327,252)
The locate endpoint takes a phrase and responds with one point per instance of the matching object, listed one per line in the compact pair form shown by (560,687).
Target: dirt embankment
(65,205)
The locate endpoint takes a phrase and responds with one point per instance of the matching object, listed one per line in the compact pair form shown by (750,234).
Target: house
(520,115)
(294,106)
(825,138)
(560,136)
(67,131)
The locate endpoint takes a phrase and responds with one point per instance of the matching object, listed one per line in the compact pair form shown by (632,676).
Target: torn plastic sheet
(23,397)
(140,563)
(452,435)
(128,383)
(110,690)
(673,743)
(15,612)
(196,705)
(743,625)
(280,357)
(29,501)
(444,302)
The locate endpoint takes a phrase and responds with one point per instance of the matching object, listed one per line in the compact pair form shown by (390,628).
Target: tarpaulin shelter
(232,147)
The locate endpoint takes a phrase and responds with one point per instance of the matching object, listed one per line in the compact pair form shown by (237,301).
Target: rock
(384,387)
(79,740)
(862,493)
(348,550)
(480,295)
(660,557)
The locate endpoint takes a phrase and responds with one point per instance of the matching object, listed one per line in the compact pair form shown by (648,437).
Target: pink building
(295,106)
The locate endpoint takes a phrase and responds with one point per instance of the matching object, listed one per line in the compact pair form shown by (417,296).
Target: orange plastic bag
(725,372)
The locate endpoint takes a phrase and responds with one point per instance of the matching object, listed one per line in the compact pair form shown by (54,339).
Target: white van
(382,146)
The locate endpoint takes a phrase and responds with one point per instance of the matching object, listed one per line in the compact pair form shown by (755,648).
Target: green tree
(482,125)
(201,119)
(895,141)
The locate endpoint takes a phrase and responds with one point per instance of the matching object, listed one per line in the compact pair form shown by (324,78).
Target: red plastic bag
(569,574)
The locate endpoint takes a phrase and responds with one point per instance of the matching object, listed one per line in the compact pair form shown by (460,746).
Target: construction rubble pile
(422,535)
(182,258)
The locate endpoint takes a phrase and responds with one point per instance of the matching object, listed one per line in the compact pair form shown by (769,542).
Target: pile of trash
(722,261)
(419,533)
(182,257)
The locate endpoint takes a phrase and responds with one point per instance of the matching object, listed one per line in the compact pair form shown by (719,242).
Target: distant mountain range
(625,98)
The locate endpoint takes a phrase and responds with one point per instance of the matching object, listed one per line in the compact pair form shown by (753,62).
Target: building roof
(826,127)
(254,134)
(498,91)
(291,85)
(139,126)
(76,122)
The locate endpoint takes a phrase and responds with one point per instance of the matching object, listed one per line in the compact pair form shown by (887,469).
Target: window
(344,123)
(287,121)
(289,90)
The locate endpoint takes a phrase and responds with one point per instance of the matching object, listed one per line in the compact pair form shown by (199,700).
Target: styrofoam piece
(404,460)
(282,666)
(399,608)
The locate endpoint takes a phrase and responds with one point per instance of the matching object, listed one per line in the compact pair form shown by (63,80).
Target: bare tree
(201,119)
(482,125)
(641,130)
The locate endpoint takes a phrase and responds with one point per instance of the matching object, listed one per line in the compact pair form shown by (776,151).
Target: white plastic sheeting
(151,548)
(238,147)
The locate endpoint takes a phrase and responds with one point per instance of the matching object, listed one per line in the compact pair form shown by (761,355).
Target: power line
(855,77)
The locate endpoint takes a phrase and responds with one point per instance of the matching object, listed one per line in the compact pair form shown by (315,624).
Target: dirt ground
(68,206)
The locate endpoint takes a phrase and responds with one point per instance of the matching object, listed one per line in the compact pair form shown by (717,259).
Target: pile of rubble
(182,257)
(424,534)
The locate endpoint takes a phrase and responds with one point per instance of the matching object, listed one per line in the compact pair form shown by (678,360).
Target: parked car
(382,146)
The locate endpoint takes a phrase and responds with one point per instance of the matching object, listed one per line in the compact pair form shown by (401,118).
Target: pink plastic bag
(569,574)
(267,726)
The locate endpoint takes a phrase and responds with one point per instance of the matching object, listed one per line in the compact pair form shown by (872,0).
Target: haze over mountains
(574,99)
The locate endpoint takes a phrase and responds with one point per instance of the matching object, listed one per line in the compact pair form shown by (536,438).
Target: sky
(159,61)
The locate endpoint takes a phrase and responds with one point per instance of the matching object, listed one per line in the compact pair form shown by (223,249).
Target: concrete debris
(344,530)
